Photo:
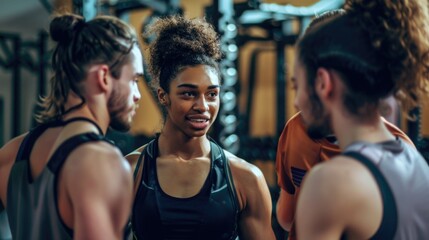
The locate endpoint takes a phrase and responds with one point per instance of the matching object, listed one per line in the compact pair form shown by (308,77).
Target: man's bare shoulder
(96,171)
(339,181)
(101,158)
(343,168)
(97,180)
(347,198)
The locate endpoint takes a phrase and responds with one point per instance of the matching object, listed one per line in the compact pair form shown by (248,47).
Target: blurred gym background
(257,37)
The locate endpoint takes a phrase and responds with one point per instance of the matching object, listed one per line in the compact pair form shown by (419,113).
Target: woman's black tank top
(211,214)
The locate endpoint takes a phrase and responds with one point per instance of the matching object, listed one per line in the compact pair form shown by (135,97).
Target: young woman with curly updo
(378,188)
(187,187)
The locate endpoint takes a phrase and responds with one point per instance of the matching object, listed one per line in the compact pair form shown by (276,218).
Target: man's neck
(90,109)
(349,130)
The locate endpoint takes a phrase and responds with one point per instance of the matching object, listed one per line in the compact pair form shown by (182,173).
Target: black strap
(29,140)
(26,145)
(77,106)
(64,150)
(139,161)
(217,150)
(230,180)
(389,221)
(34,134)
(84,119)
(129,231)
(233,195)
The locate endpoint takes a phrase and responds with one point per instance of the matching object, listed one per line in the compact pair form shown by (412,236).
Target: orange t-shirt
(297,153)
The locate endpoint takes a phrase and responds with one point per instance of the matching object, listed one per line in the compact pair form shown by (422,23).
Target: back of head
(181,43)
(325,16)
(103,40)
(379,48)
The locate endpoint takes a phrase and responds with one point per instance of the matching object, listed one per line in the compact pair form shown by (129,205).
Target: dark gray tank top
(403,178)
(212,214)
(32,203)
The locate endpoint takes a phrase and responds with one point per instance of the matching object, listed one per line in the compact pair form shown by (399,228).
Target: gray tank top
(32,203)
(403,178)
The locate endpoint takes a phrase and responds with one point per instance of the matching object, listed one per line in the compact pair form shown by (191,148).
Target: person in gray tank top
(63,179)
(378,188)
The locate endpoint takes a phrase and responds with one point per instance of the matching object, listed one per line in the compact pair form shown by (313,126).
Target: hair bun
(180,41)
(63,28)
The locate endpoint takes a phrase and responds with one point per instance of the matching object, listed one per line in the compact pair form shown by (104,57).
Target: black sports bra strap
(389,220)
(145,151)
(139,162)
(231,182)
(84,119)
(217,150)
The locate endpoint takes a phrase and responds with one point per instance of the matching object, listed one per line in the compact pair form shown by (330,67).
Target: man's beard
(318,131)
(118,109)
(320,127)
(119,124)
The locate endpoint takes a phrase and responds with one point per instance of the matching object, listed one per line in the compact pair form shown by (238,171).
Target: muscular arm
(255,218)
(99,186)
(319,219)
(339,196)
(285,210)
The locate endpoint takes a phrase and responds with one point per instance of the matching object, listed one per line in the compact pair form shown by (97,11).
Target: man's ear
(324,84)
(103,78)
(162,97)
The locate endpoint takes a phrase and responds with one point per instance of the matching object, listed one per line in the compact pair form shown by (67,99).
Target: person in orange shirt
(297,153)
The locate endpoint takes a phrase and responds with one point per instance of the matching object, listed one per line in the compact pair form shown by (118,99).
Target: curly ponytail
(398,31)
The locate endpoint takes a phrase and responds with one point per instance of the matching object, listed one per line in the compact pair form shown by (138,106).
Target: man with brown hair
(64,179)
